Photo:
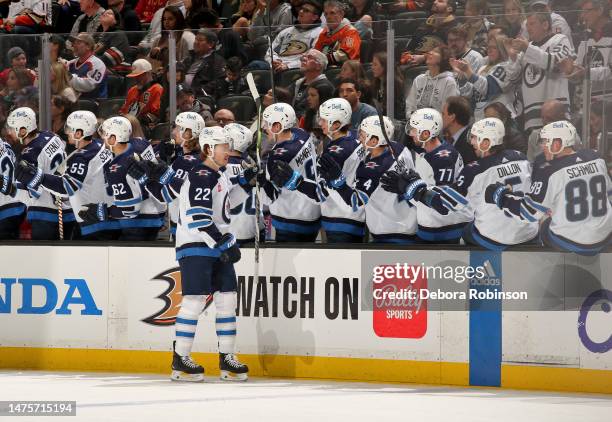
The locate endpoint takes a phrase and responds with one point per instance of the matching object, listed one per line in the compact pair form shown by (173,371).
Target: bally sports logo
(172,299)
(399,311)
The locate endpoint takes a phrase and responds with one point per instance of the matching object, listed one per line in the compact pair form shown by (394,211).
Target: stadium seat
(287,77)
(116,86)
(89,105)
(110,107)
(262,80)
(406,23)
(242,106)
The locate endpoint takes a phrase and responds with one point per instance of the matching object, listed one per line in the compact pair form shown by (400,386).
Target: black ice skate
(231,368)
(185,369)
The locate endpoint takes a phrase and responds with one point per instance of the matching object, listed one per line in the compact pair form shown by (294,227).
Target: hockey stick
(381,119)
(258,103)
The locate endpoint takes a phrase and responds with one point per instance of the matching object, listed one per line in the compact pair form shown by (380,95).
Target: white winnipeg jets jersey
(542,79)
(575,188)
(601,60)
(10,205)
(242,203)
(509,168)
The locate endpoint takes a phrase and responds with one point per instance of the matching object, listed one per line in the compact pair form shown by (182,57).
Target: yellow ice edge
(308,367)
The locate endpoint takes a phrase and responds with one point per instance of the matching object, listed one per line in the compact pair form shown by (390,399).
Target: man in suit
(456,116)
(205,67)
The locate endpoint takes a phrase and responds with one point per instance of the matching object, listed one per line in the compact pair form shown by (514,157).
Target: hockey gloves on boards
(282,175)
(94,213)
(28,174)
(230,253)
(331,172)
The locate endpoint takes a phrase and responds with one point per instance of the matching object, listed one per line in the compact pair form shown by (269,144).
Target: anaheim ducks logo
(293,48)
(172,298)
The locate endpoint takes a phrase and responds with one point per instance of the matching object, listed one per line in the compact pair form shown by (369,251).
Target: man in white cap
(559,24)
(88,72)
(143,99)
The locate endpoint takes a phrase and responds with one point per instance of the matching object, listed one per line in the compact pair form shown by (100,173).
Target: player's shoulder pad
(512,155)
(444,153)
(299,134)
(586,155)
(204,176)
(139,144)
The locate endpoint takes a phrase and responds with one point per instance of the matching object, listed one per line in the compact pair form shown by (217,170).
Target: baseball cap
(139,67)
(84,37)
(534,2)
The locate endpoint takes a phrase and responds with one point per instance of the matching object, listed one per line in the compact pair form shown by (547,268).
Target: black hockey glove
(230,253)
(139,171)
(166,151)
(28,174)
(94,213)
(330,171)
(494,194)
(407,185)
(283,175)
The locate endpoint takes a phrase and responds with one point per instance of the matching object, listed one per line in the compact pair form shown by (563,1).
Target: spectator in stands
(496,81)
(545,66)
(60,82)
(223,8)
(283,95)
(17,80)
(58,49)
(379,85)
(280,18)
(241,21)
(143,99)
(186,101)
(165,100)
(514,138)
(432,88)
(224,117)
(172,20)
(193,8)
(229,43)
(88,73)
(18,60)
(137,129)
(476,24)
(362,13)
(339,40)
(205,67)
(292,43)
(26,17)
(558,26)
(513,17)
(457,40)
(156,24)
(456,116)
(89,21)
(145,9)
(234,83)
(596,125)
(432,33)
(317,94)
(60,109)
(313,64)
(128,20)
(353,69)
(351,90)
(597,21)
(552,111)
(112,46)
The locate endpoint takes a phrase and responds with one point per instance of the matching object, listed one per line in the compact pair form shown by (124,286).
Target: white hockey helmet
(371,127)
(214,135)
(281,113)
(563,130)
(240,135)
(335,110)
(117,126)
(82,120)
(22,118)
(425,119)
(189,120)
(490,128)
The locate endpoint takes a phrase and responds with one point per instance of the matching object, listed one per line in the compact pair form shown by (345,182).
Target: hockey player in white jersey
(242,194)
(12,210)
(340,222)
(137,214)
(82,177)
(571,187)
(290,187)
(440,165)
(388,220)
(492,228)
(43,153)
(206,252)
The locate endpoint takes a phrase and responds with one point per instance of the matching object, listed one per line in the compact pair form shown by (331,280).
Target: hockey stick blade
(252,87)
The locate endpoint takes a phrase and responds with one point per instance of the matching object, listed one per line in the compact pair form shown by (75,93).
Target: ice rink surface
(149,398)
